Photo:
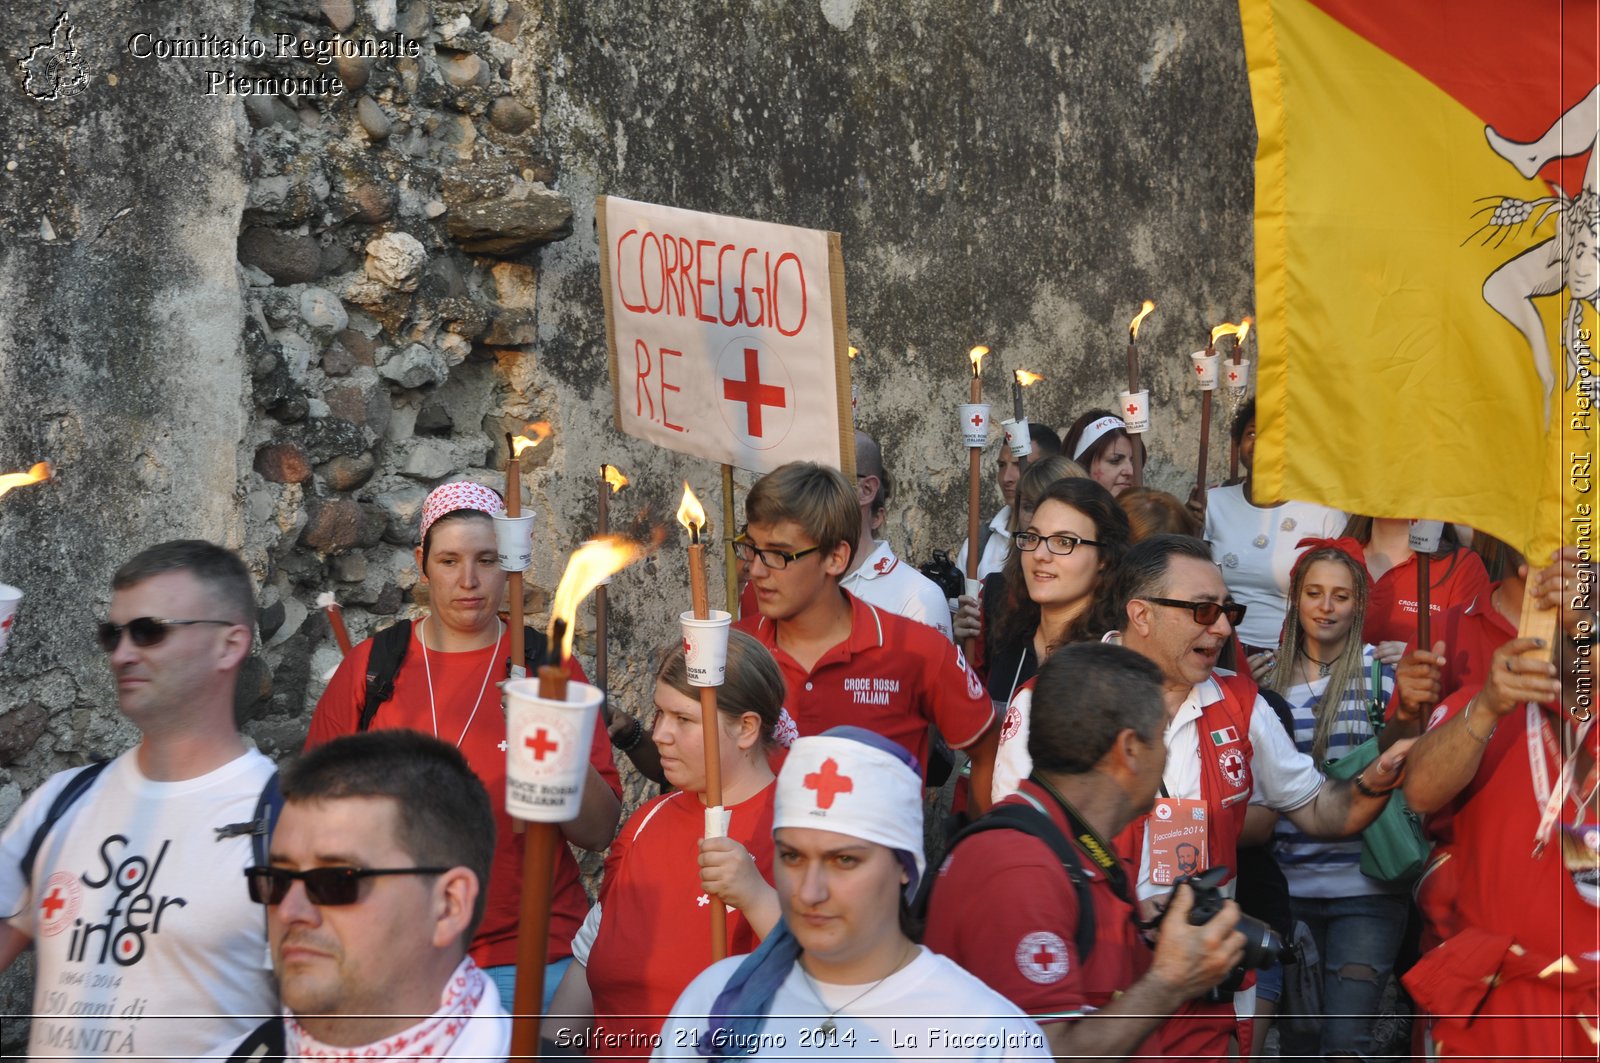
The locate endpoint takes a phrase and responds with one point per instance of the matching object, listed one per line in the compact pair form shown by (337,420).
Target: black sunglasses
(143,630)
(1206,613)
(324,885)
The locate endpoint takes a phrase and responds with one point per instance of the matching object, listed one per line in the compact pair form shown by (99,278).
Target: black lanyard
(1089,841)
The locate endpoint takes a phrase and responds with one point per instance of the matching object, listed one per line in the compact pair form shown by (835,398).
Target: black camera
(944,572)
(1263,946)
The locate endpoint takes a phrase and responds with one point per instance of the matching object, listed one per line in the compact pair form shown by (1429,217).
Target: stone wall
(278,322)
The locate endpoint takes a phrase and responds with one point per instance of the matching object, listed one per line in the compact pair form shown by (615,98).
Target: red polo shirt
(1392,609)
(892,676)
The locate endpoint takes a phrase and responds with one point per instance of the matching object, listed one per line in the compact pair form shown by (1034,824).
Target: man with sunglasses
(1223,743)
(131,898)
(846,662)
(373,891)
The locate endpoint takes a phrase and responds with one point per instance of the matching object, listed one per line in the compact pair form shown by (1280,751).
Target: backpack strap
(75,788)
(259,826)
(1035,824)
(383,664)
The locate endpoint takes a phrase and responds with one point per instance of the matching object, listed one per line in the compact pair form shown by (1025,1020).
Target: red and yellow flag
(1425,259)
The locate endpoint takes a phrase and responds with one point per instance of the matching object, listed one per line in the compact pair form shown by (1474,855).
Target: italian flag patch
(1226,736)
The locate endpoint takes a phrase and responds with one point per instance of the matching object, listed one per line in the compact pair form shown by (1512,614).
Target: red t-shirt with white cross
(892,676)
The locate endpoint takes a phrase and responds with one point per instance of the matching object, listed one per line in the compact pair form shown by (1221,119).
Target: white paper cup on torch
(1237,377)
(705,647)
(1135,410)
(1018,438)
(10,598)
(513,540)
(1425,535)
(547,750)
(974,424)
(1206,370)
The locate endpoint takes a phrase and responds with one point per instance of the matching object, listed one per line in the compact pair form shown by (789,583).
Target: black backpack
(1036,824)
(389,648)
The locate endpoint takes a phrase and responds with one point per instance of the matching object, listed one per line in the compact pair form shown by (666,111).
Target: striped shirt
(1321,868)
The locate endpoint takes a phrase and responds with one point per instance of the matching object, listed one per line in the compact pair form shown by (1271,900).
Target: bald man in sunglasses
(130,893)
(373,890)
(1224,745)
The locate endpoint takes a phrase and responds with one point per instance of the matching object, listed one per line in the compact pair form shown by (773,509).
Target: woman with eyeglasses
(649,934)
(447,684)
(1074,541)
(1337,690)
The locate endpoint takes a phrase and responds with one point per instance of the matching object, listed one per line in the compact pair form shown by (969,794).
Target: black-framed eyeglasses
(1061,545)
(144,630)
(745,550)
(324,885)
(1205,613)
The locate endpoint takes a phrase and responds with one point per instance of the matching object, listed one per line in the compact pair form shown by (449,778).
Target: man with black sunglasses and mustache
(373,890)
(1223,744)
(129,893)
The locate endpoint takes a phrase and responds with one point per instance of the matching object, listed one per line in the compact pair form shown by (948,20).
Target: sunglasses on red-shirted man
(1205,613)
(324,885)
(144,630)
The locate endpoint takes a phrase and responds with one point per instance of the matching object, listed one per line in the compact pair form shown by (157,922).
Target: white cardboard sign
(727,336)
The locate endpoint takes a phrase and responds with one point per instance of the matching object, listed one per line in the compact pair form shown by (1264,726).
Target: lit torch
(611,481)
(590,565)
(1018,437)
(1238,351)
(693,517)
(40,472)
(978,416)
(516,445)
(1133,394)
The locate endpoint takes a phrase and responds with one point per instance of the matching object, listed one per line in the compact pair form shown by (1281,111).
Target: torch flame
(1244,330)
(690,513)
(1133,326)
(853,353)
(1027,379)
(976,354)
(541,432)
(614,477)
(38,474)
(1225,329)
(589,566)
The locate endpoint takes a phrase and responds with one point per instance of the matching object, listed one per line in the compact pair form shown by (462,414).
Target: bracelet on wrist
(631,738)
(1361,785)
(1466,723)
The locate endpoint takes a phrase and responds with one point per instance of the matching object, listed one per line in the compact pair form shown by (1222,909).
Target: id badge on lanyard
(1179,839)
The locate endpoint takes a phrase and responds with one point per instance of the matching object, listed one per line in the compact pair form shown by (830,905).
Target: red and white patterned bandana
(429,1039)
(463,494)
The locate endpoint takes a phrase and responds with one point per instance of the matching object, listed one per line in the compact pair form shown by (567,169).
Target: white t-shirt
(1012,763)
(139,913)
(995,550)
(1256,549)
(887,582)
(930,1009)
(1284,778)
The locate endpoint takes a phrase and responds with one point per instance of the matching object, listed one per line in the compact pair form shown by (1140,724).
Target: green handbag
(1393,846)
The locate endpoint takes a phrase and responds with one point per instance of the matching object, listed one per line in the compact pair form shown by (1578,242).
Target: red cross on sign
(541,744)
(53,903)
(828,783)
(753,393)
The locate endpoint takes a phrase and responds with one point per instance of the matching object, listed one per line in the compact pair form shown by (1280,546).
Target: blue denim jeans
(1358,938)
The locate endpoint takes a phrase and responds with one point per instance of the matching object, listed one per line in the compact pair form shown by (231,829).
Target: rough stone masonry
(242,306)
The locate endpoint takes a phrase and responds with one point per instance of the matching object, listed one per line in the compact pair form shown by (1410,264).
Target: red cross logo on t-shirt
(753,393)
(1041,957)
(53,903)
(541,743)
(828,783)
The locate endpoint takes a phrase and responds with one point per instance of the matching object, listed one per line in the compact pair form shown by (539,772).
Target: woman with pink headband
(448,685)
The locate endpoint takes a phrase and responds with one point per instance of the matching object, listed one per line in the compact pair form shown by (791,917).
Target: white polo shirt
(883,580)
